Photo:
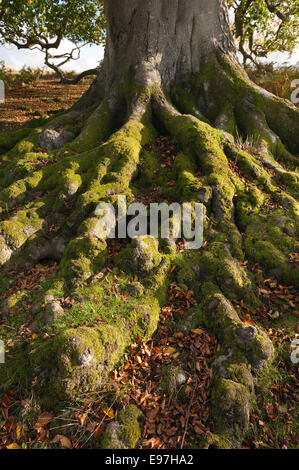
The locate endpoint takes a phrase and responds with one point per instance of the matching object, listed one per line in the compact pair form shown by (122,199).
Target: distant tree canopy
(259,26)
(264,26)
(43,24)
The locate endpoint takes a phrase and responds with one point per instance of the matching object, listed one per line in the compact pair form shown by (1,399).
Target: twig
(187,419)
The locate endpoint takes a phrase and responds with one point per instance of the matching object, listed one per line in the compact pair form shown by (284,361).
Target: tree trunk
(163,40)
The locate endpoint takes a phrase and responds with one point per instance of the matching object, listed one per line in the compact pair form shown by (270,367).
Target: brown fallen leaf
(64,441)
(44,419)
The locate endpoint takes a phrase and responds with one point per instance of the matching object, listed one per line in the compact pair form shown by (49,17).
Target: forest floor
(40,97)
(142,378)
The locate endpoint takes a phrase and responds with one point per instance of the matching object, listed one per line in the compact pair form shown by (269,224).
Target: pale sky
(16,59)
(90,57)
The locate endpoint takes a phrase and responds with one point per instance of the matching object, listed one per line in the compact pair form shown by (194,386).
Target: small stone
(56,308)
(86,359)
(49,298)
(181,378)
(52,139)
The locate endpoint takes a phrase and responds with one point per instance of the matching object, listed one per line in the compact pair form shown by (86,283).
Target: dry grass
(277,80)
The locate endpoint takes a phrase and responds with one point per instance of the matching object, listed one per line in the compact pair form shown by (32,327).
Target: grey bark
(161,40)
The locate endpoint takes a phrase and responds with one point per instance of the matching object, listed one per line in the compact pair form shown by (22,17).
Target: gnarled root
(48,201)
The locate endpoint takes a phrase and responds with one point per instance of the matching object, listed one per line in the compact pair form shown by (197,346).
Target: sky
(90,57)
(16,59)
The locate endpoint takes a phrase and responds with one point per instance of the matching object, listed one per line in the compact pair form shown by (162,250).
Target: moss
(12,301)
(174,381)
(230,410)
(96,130)
(248,204)
(232,238)
(282,118)
(251,166)
(141,257)
(189,270)
(17,192)
(121,152)
(9,139)
(83,257)
(25,145)
(219,316)
(185,97)
(184,162)
(188,186)
(143,317)
(74,361)
(131,420)
(19,228)
(157,283)
(70,180)
(148,167)
(217,264)
(240,373)
(226,120)
(221,85)
(223,81)
(203,142)
(260,351)
(77,360)
(126,431)
(272,259)
(21,160)
(214,441)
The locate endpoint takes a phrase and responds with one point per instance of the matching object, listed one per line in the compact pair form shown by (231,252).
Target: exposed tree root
(52,183)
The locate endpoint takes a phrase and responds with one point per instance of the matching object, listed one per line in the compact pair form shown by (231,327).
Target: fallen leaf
(64,441)
(14,445)
(109,412)
(197,331)
(44,419)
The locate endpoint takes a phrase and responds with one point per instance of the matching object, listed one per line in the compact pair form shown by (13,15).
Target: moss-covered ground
(198,340)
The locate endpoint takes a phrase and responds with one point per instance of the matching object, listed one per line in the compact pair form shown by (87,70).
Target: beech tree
(265,26)
(43,25)
(170,67)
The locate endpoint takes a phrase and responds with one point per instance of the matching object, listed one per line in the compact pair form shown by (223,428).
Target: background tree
(44,24)
(259,26)
(265,26)
(170,68)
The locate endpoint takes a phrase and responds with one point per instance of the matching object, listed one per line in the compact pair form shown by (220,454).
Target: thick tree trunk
(162,40)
